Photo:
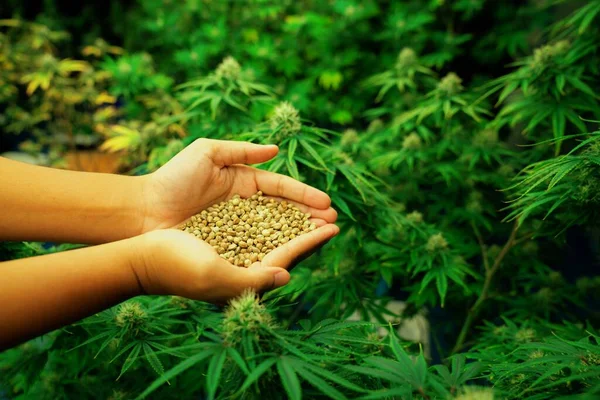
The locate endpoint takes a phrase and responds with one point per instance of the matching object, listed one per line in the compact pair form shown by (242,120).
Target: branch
(486,262)
(489,275)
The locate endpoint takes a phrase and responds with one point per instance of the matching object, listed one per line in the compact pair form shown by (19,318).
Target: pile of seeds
(243,231)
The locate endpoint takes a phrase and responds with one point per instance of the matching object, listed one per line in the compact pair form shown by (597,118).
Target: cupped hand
(173,262)
(210,171)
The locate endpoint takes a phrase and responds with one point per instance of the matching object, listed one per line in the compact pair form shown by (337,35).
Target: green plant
(457,181)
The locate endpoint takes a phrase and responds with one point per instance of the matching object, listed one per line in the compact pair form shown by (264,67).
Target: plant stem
(484,256)
(489,275)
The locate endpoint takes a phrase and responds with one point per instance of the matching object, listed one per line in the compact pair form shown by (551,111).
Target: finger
(330,215)
(318,222)
(284,256)
(260,278)
(225,152)
(277,185)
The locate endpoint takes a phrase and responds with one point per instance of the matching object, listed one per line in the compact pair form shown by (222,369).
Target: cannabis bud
(345,158)
(285,119)
(475,393)
(530,248)
(525,335)
(592,358)
(406,58)
(180,302)
(544,54)
(350,136)
(375,126)
(130,315)
(412,142)
(415,217)
(474,203)
(518,378)
(536,354)
(245,315)
(229,69)
(544,296)
(486,138)
(506,170)
(118,395)
(500,330)
(450,84)
(436,243)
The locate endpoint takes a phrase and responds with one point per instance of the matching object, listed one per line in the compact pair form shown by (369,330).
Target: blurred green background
(416,116)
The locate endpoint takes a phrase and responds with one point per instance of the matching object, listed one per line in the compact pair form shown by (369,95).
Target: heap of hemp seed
(243,231)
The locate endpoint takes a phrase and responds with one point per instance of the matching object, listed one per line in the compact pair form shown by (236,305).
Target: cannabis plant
(463,164)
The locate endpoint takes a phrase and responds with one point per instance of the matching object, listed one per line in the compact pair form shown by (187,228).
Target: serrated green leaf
(289,379)
(213,376)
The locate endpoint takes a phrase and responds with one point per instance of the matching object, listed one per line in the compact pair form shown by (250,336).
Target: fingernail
(281,278)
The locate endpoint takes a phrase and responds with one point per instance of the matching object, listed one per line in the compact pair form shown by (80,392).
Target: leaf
(289,379)
(257,373)
(153,360)
(330,376)
(130,359)
(214,104)
(292,149)
(320,384)
(441,283)
(579,84)
(213,376)
(237,358)
(102,335)
(176,370)
(292,169)
(397,392)
(421,369)
(377,373)
(314,154)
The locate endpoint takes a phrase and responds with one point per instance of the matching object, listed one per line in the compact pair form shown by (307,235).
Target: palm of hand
(208,172)
(196,271)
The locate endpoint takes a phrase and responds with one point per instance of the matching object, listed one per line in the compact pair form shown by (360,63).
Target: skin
(130,222)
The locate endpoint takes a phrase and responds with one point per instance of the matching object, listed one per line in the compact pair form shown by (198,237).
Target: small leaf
(213,376)
(153,360)
(314,154)
(292,149)
(289,379)
(176,370)
(320,384)
(257,373)
(130,359)
(292,169)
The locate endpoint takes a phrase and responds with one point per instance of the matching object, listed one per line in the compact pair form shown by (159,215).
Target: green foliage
(455,178)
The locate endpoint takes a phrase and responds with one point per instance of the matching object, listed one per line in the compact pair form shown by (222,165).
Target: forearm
(40,294)
(44,204)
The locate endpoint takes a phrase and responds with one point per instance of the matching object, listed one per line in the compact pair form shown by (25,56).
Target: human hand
(174,262)
(210,171)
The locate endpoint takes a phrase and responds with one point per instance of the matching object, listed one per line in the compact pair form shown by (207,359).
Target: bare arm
(43,293)
(44,204)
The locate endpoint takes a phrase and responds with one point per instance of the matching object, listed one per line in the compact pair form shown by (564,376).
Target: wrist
(146,205)
(137,263)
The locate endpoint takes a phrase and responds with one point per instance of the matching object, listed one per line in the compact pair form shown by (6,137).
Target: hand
(177,263)
(210,171)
